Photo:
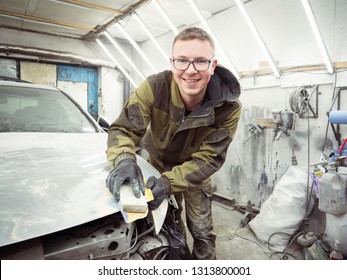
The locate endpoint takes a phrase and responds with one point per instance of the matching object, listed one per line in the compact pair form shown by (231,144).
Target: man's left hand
(160,189)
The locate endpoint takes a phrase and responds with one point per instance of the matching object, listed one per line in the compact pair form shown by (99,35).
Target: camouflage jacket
(187,149)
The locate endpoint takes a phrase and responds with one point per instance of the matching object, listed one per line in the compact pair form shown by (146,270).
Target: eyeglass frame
(191,62)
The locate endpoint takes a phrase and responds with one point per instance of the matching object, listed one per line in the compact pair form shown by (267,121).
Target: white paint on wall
(40,73)
(77,90)
(111,84)
(248,163)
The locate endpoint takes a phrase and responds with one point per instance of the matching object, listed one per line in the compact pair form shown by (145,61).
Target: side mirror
(104,123)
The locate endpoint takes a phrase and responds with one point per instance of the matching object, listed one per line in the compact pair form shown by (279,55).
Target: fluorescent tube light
(218,45)
(150,35)
(125,73)
(165,16)
(317,34)
(69,4)
(136,46)
(257,36)
(118,47)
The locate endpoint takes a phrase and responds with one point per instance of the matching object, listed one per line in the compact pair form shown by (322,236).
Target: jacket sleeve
(127,130)
(209,158)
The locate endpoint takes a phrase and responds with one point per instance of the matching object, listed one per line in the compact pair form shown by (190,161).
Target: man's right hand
(126,171)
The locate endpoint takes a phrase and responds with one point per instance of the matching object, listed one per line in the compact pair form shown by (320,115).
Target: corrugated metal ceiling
(84,18)
(87,19)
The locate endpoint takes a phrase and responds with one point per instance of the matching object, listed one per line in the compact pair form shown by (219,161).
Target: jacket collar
(223,85)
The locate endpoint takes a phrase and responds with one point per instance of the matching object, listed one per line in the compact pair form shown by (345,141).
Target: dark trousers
(197,205)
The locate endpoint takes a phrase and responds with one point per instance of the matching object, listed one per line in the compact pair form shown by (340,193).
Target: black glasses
(199,65)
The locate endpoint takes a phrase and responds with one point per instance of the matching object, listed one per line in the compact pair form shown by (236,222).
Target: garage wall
(111,92)
(8,68)
(40,73)
(254,166)
(77,78)
(43,48)
(108,94)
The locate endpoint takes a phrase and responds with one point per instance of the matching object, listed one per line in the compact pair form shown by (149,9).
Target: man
(192,113)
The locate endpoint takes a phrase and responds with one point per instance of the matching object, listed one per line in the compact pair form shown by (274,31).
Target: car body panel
(52,173)
(53,181)
(49,182)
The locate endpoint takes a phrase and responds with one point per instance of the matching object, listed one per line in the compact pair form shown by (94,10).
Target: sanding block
(128,202)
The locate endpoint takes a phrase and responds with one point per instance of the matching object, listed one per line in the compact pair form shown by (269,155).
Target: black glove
(160,189)
(126,171)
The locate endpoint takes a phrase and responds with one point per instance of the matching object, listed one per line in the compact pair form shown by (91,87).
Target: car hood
(50,182)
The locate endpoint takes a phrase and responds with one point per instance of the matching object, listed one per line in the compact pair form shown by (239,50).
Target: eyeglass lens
(199,65)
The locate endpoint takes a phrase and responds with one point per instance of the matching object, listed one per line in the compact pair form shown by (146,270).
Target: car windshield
(28,109)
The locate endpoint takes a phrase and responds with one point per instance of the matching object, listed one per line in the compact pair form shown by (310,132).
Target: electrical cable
(284,251)
(271,253)
(137,246)
(162,250)
(145,232)
(325,138)
(242,237)
(308,166)
(284,257)
(273,234)
(292,240)
(333,100)
(334,97)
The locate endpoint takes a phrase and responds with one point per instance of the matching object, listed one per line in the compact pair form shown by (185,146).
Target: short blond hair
(192,33)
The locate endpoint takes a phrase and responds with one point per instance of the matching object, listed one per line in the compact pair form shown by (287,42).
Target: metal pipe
(53,55)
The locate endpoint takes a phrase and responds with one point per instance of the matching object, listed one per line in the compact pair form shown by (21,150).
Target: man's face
(192,82)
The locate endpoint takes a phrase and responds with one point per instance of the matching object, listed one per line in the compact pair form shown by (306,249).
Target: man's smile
(191,80)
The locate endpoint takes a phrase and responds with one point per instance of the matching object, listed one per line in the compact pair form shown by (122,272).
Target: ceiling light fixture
(317,34)
(69,4)
(125,73)
(136,46)
(165,16)
(150,35)
(218,45)
(118,47)
(257,36)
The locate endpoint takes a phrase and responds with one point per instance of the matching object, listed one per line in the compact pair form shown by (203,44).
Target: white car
(52,178)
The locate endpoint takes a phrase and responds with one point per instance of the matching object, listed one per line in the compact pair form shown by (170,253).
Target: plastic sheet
(283,212)
(336,228)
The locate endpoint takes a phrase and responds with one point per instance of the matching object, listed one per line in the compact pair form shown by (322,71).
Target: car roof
(21,83)
(6,78)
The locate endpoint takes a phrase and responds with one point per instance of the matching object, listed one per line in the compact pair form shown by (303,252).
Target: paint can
(332,193)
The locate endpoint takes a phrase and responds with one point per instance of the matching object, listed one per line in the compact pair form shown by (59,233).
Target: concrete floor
(235,242)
